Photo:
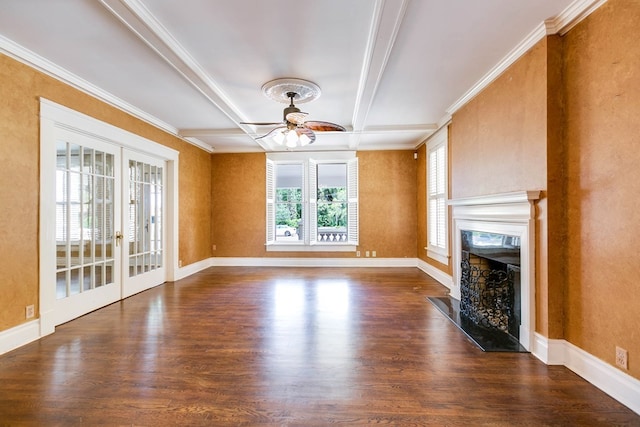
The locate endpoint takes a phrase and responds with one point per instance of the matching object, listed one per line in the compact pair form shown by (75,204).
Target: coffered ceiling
(390,71)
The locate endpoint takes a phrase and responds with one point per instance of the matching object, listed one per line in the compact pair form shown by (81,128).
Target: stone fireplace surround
(506,213)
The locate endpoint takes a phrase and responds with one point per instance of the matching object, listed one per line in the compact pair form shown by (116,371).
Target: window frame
(310,160)
(439,251)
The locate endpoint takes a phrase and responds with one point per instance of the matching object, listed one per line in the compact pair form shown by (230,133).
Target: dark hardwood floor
(287,347)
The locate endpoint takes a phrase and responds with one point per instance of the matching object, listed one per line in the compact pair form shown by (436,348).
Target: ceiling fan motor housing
(290,109)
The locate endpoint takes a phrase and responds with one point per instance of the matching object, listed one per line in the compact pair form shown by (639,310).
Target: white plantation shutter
(313,201)
(352,199)
(437,196)
(271,207)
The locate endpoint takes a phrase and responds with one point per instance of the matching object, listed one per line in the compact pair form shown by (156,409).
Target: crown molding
(27,57)
(575,13)
(561,24)
(47,67)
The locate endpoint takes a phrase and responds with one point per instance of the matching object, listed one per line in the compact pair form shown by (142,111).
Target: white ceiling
(391,71)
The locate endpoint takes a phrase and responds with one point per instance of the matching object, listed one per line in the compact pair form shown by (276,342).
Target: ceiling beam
(385,25)
(143,24)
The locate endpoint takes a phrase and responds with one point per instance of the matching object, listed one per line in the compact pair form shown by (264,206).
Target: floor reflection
(311,342)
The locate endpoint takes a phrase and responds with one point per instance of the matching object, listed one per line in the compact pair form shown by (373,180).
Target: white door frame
(52,116)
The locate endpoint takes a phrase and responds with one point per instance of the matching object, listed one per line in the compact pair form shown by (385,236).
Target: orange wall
(387,184)
(602,74)
(498,144)
(20,91)
(565,119)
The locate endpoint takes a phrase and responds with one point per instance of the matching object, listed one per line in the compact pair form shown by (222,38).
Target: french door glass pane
(84,218)
(145,217)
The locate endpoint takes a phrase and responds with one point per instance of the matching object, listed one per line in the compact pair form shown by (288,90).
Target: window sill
(310,248)
(439,256)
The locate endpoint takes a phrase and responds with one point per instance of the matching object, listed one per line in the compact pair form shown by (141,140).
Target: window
(312,201)
(437,197)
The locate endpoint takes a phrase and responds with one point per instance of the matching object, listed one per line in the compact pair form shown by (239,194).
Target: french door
(109,233)
(144,235)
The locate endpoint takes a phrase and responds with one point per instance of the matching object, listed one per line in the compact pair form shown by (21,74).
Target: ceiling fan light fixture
(304,140)
(292,139)
(294,131)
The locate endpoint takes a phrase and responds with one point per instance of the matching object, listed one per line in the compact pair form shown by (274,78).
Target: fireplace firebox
(489,281)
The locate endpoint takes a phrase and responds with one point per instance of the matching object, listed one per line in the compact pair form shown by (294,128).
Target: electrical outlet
(621,358)
(366,254)
(30,311)
(373,254)
(180,263)
(358,253)
(214,247)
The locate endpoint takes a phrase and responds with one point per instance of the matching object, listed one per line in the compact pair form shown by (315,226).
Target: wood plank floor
(287,347)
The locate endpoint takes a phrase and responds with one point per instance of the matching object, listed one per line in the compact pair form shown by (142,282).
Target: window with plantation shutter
(437,218)
(312,201)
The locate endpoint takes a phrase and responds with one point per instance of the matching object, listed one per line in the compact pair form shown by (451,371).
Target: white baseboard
(18,336)
(437,274)
(622,387)
(190,269)
(312,262)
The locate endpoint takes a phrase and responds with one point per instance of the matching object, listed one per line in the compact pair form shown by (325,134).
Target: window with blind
(437,219)
(312,201)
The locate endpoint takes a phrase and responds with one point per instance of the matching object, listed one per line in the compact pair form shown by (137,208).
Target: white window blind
(437,220)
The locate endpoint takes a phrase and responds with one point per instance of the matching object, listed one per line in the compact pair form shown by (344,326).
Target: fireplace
(493,250)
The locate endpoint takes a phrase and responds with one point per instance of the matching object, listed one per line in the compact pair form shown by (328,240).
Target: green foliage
(289,206)
(332,207)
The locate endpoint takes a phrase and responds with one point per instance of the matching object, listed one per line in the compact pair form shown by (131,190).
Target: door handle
(118,238)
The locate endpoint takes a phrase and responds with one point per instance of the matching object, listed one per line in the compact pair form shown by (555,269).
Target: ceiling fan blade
(272,132)
(308,132)
(297,118)
(324,126)
(261,123)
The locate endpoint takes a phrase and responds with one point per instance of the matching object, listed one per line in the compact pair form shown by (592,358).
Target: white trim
(496,199)
(55,116)
(437,255)
(512,214)
(48,68)
(83,123)
(439,275)
(311,262)
(190,269)
(385,26)
(20,335)
(306,155)
(438,140)
(561,24)
(575,13)
(534,37)
(316,247)
(621,386)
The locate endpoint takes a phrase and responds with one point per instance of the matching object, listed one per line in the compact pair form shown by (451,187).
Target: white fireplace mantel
(507,213)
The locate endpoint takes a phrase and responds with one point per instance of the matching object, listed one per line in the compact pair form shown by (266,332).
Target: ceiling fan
(294,130)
